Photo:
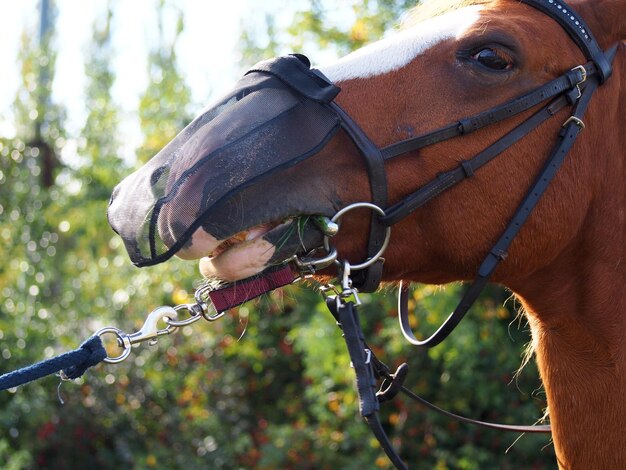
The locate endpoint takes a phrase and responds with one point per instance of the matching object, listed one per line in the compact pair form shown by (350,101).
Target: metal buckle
(575,120)
(583,72)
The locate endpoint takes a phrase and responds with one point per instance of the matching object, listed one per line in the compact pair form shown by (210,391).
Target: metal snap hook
(347,291)
(149,332)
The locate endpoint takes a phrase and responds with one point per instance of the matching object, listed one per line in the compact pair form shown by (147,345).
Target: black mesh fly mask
(277,116)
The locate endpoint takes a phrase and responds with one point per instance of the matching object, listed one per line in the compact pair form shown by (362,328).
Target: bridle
(574,88)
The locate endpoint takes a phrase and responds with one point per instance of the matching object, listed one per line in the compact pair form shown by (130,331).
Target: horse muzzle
(206,193)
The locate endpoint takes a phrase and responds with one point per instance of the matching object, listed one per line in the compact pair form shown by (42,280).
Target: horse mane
(431,8)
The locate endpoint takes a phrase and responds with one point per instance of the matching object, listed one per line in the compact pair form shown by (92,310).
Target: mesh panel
(261,127)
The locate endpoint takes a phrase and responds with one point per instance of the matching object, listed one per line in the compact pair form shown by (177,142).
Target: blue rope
(73,364)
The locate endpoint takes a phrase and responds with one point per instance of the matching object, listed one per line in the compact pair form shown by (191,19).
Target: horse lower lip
(269,244)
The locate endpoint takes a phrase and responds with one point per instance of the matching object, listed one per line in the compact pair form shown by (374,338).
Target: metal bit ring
(357,205)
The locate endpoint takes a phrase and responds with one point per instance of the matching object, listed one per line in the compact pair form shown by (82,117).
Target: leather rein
(574,88)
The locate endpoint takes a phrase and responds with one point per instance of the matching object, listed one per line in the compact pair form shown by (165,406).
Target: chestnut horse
(567,266)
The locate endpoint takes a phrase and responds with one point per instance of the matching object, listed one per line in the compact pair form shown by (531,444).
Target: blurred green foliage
(163,106)
(267,387)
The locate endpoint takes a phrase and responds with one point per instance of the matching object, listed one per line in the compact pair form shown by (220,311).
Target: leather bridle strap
(535,429)
(392,384)
(368,280)
(367,367)
(434,188)
(560,85)
(466,168)
(361,357)
(567,85)
(577,30)
(598,64)
(567,136)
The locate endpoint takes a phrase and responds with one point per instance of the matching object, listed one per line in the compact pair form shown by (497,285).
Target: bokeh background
(90,91)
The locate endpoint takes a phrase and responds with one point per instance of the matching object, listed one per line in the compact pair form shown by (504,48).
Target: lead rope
(211,302)
(70,365)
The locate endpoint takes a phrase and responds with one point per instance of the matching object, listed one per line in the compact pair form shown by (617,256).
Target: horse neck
(577,311)
(578,323)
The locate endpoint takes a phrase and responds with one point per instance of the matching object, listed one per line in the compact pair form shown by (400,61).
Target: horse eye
(493,59)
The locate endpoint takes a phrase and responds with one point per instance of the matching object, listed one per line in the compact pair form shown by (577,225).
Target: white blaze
(396,51)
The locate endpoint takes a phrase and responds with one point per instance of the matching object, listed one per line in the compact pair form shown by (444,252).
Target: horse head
(239,186)
(250,201)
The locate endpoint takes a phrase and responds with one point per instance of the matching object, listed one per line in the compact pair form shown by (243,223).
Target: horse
(567,265)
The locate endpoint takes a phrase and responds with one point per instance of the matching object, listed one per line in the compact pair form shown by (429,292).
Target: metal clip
(576,121)
(347,290)
(346,281)
(307,265)
(148,332)
(328,290)
(205,306)
(195,314)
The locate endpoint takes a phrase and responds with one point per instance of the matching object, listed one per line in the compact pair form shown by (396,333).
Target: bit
(327,226)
